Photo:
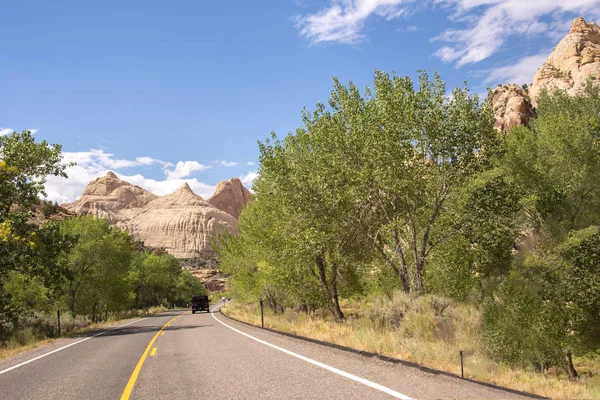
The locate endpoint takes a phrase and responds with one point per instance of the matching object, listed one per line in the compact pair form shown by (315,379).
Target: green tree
(546,309)
(96,267)
(154,278)
(578,286)
(29,271)
(420,146)
(486,224)
(304,184)
(24,166)
(186,286)
(556,163)
(265,262)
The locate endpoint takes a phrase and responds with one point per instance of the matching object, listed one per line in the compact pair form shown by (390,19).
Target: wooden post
(462,370)
(262,316)
(58,319)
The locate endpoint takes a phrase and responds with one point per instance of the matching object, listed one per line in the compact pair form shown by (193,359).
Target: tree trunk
(418,278)
(569,366)
(339,315)
(401,272)
(330,292)
(94,311)
(72,304)
(403,268)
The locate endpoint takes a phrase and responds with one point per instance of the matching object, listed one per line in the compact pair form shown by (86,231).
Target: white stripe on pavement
(324,366)
(69,345)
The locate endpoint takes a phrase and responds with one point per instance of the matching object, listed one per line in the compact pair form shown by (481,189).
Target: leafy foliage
(81,264)
(407,187)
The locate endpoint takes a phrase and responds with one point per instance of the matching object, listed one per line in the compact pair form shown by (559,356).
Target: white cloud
(519,73)
(185,168)
(229,163)
(98,159)
(90,165)
(95,163)
(447,54)
(486,24)
(163,188)
(491,22)
(5,131)
(248,179)
(67,190)
(344,20)
(250,163)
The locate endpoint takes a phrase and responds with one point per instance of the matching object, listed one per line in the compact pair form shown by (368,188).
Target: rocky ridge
(230,196)
(109,197)
(512,107)
(182,223)
(574,60)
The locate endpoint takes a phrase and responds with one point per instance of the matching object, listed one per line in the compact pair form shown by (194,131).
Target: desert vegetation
(80,266)
(398,220)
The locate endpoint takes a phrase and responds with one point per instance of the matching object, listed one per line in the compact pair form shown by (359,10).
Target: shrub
(426,317)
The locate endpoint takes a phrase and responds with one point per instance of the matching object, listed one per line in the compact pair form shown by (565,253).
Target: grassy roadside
(26,340)
(427,339)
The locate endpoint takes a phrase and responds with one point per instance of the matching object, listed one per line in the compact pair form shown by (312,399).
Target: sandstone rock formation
(108,196)
(214,279)
(512,107)
(573,60)
(182,223)
(230,196)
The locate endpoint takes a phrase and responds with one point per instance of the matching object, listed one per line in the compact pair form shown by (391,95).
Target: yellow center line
(153,352)
(162,333)
(138,367)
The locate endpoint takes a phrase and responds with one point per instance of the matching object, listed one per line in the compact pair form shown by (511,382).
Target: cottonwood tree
(269,259)
(557,163)
(153,278)
(97,266)
(548,307)
(551,294)
(24,166)
(387,163)
(421,146)
(307,178)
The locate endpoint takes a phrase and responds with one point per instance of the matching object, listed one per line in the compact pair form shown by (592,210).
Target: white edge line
(69,345)
(324,366)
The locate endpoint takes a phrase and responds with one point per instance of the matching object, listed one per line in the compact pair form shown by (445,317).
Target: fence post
(262,316)
(462,370)
(58,318)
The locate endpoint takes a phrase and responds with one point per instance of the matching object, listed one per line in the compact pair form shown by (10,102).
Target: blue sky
(169,92)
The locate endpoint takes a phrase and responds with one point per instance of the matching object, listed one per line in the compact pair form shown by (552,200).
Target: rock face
(182,223)
(108,196)
(230,197)
(512,107)
(214,279)
(573,60)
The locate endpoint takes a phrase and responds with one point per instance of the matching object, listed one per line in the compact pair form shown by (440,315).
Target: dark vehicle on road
(199,303)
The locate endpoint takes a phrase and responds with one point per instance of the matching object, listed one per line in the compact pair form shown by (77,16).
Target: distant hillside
(181,223)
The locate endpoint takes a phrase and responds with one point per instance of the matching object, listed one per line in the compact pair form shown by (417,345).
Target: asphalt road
(209,356)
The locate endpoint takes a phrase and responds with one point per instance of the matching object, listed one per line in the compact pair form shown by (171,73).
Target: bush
(426,317)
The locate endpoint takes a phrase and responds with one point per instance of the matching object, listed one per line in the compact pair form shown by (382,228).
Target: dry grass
(26,339)
(427,337)
(13,350)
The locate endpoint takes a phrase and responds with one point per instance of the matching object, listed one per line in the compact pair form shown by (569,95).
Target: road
(178,355)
